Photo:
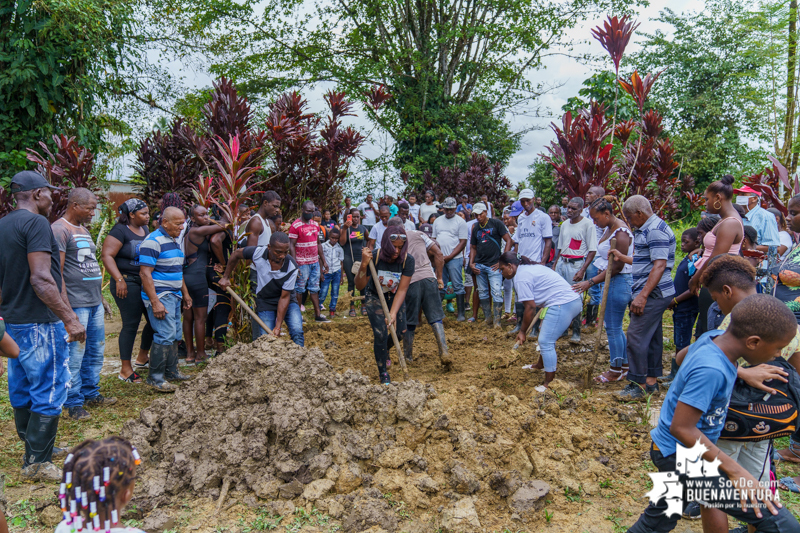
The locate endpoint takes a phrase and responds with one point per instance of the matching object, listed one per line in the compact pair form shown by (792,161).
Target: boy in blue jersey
(161,270)
(695,407)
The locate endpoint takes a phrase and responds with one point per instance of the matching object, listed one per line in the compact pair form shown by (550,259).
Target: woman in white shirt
(619,290)
(538,286)
(786,242)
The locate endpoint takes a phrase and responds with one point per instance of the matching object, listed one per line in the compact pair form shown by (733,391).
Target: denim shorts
(307,278)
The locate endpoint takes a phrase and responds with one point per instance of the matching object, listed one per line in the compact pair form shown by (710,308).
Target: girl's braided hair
(94,474)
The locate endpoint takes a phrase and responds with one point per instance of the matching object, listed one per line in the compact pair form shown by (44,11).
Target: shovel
(377,282)
(587,378)
(249,311)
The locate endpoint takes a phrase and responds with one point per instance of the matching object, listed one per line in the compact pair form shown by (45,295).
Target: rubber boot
(486,307)
(665,380)
(172,372)
(40,436)
(535,331)
(408,345)
(21,419)
(497,313)
(158,365)
(576,330)
(461,307)
(441,341)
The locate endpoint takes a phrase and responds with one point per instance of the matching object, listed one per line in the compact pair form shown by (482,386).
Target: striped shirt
(164,254)
(307,236)
(653,241)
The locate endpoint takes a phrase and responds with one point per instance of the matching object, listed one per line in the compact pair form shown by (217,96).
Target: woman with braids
(120,256)
(97,485)
(538,286)
(619,290)
(395,266)
(196,247)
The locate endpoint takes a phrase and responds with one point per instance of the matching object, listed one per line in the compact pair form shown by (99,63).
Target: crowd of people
(735,292)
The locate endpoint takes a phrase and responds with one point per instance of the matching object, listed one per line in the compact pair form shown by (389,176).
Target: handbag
(356,264)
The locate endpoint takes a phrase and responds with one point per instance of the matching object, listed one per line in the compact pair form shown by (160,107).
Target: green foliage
(600,87)
(540,180)
(714,95)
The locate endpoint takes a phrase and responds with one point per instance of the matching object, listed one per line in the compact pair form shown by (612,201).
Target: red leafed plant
(581,156)
(768,181)
(68,167)
(639,88)
(233,187)
(204,192)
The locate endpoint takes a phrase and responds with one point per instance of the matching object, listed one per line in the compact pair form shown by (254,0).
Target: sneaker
(99,400)
(692,512)
(385,379)
(321,318)
(332,315)
(632,391)
(302,308)
(322,307)
(42,472)
(77,413)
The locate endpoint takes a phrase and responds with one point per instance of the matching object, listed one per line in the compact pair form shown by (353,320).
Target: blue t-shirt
(704,381)
(681,281)
(461,207)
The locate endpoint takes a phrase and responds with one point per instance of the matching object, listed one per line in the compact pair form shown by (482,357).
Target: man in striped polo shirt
(161,270)
(653,290)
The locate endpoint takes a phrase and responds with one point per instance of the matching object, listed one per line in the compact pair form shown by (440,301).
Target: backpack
(754,415)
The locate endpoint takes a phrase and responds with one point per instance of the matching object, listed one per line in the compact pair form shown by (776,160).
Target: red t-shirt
(307,235)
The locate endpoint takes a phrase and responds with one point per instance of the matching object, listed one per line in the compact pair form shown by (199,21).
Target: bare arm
(254,228)
(361,277)
(215,243)
(726,234)
(509,242)
(47,290)
(111,247)
(435,254)
(149,288)
(280,314)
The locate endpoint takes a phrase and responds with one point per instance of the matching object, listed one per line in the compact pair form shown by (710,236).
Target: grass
(22,514)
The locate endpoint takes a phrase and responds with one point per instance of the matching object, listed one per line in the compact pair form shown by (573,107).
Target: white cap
(478,208)
(526,194)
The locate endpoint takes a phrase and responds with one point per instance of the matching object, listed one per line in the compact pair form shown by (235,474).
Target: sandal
(471,319)
(610,376)
(133,378)
(792,447)
(353,311)
(137,364)
(789,484)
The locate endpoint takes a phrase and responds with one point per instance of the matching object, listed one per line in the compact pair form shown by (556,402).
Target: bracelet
(120,279)
(674,301)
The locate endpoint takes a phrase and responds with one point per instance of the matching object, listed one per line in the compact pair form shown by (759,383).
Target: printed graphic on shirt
(87,261)
(356,235)
(389,280)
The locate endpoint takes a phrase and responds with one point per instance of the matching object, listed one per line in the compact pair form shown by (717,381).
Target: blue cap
(516,209)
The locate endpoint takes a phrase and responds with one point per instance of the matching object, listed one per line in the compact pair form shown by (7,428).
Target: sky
(565,73)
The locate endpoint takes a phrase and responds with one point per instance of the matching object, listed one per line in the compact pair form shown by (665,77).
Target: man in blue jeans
(450,233)
(84,283)
(277,274)
(161,270)
(39,319)
(484,260)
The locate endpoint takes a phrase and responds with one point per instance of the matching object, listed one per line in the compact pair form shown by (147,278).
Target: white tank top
(263,239)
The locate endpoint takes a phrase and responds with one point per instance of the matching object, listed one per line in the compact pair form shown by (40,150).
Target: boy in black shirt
(484,255)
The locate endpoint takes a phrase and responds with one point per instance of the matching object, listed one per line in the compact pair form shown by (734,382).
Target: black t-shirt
(24,233)
(127,258)
(488,241)
(681,281)
(357,237)
(389,274)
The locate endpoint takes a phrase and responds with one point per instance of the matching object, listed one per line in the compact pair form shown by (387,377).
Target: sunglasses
(398,237)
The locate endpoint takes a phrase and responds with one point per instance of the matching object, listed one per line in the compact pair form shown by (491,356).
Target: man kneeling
(276,272)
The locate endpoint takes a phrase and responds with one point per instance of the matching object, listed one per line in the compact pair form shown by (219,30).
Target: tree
(454,68)
(600,87)
(540,179)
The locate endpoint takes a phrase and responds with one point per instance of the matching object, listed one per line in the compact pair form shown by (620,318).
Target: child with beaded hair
(97,485)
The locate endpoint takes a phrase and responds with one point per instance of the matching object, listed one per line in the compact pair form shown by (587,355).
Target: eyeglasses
(398,237)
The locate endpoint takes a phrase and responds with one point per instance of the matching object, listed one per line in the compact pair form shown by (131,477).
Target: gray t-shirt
(81,271)
(448,232)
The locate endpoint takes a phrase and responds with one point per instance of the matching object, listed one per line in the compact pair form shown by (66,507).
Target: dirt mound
(277,420)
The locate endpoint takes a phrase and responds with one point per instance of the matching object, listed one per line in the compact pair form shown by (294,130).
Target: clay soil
(307,440)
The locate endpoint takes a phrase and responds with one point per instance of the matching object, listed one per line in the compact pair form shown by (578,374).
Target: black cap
(28,180)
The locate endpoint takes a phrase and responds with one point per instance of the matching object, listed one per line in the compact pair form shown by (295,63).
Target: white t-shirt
(543,286)
(579,239)
(377,233)
(448,232)
(470,225)
(425,212)
(370,217)
(334,255)
(786,240)
(409,225)
(413,210)
(531,232)
(63,527)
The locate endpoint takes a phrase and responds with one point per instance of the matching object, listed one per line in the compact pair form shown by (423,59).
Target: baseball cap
(28,180)
(478,208)
(747,190)
(427,229)
(516,209)
(526,194)
(449,203)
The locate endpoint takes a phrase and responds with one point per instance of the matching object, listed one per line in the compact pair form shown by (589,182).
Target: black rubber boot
(667,380)
(172,372)
(408,345)
(497,311)
(461,307)
(519,311)
(40,438)
(158,365)
(576,330)
(21,419)
(486,307)
(441,341)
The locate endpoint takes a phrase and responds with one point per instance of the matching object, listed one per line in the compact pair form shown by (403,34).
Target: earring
(717,205)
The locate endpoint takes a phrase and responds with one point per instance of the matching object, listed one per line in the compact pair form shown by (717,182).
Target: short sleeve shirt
(542,285)
(370,212)
(164,254)
(376,233)
(389,274)
(270,283)
(81,272)
(705,382)
(334,255)
(24,233)
(488,241)
(531,232)
(425,212)
(448,232)
(577,240)
(357,238)
(307,235)
(413,210)
(418,245)
(127,258)
(652,242)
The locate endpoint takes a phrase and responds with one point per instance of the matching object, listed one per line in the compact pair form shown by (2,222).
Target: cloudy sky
(568,74)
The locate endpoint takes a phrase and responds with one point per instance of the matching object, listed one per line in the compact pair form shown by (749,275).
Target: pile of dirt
(277,420)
